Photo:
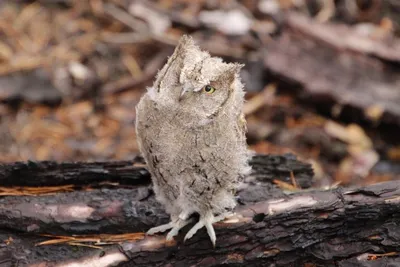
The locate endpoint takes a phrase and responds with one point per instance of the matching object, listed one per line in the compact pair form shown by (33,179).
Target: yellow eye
(209,89)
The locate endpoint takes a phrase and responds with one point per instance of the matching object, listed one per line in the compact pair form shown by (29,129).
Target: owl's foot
(207,221)
(160,229)
(178,226)
(175,226)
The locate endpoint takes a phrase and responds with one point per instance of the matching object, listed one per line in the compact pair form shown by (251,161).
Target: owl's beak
(184,90)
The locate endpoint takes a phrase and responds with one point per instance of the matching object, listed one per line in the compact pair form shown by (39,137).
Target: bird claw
(178,226)
(207,221)
(194,229)
(175,226)
(160,228)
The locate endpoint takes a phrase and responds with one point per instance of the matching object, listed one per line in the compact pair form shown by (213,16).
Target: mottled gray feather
(194,142)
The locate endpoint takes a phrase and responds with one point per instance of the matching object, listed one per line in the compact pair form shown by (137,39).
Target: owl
(191,132)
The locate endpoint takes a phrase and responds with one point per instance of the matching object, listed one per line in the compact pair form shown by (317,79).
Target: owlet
(191,132)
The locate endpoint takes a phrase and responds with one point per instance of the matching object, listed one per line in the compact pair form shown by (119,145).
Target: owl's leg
(207,221)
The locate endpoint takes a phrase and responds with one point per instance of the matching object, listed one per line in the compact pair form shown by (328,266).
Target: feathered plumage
(191,132)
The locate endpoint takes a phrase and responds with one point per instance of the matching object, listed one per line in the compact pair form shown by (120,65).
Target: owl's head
(197,84)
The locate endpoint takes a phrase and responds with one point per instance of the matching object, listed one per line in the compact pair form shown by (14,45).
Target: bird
(191,132)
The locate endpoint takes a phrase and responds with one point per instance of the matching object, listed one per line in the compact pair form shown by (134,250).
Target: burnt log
(133,172)
(336,227)
(127,206)
(342,227)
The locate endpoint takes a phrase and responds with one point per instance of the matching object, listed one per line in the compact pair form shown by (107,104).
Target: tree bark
(110,208)
(339,227)
(133,172)
(325,228)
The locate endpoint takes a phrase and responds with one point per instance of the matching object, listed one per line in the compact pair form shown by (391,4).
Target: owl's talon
(160,229)
(174,225)
(193,230)
(177,226)
(171,234)
(211,232)
(207,221)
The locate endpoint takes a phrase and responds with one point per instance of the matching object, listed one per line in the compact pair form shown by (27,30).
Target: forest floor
(322,77)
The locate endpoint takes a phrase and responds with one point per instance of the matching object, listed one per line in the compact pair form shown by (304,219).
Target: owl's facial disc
(207,100)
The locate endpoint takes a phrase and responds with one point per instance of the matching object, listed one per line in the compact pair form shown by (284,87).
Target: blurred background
(322,76)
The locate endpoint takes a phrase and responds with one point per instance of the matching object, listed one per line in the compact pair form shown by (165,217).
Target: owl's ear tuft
(233,75)
(186,40)
(237,67)
(185,43)
(233,71)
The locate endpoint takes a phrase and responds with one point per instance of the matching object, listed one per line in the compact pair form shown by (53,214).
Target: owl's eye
(209,89)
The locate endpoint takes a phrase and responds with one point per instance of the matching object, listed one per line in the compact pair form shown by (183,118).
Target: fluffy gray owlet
(191,132)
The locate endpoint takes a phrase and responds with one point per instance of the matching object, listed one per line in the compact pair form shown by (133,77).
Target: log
(332,64)
(115,209)
(342,227)
(50,173)
(339,227)
(133,172)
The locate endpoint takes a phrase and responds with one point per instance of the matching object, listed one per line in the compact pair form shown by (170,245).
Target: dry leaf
(353,134)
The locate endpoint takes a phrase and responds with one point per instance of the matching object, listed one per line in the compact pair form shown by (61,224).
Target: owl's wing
(148,124)
(241,130)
